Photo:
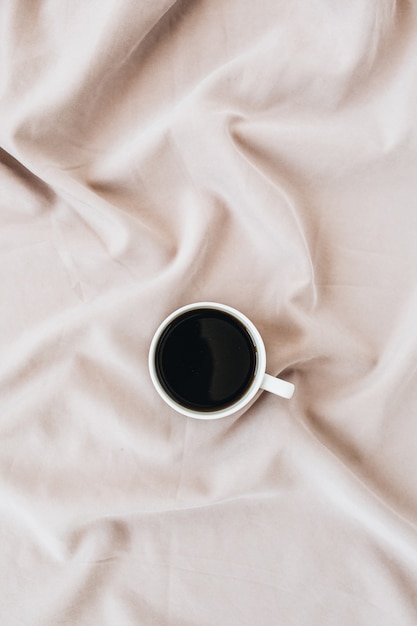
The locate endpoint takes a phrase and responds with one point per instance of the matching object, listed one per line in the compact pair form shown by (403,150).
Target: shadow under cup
(205,360)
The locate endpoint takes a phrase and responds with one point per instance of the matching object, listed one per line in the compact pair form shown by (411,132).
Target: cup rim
(260,367)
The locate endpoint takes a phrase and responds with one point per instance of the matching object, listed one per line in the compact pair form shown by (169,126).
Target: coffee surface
(205,360)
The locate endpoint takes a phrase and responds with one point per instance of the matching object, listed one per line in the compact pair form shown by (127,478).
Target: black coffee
(205,359)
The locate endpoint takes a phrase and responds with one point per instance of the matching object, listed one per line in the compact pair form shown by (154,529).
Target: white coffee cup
(196,321)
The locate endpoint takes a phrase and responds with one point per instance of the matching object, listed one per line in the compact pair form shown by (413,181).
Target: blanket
(257,154)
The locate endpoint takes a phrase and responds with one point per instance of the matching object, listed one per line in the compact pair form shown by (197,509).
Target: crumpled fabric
(259,154)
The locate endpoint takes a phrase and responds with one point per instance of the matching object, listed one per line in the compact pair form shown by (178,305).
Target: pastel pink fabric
(260,154)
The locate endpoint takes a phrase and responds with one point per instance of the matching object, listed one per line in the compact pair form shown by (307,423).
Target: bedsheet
(259,154)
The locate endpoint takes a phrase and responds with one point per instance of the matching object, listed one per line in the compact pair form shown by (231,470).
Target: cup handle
(278,386)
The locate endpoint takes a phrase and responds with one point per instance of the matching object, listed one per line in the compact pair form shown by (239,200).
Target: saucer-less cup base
(207,360)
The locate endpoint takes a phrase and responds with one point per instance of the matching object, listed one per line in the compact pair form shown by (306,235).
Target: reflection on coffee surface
(205,359)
